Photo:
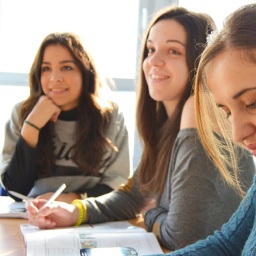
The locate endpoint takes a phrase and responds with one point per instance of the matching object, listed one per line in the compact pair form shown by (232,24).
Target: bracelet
(27,122)
(82,211)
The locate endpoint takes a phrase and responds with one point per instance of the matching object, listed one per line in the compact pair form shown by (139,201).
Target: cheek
(186,74)
(182,74)
(79,85)
(145,67)
(44,84)
(185,71)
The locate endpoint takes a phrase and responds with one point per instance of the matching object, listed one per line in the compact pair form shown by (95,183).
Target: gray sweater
(195,202)
(19,170)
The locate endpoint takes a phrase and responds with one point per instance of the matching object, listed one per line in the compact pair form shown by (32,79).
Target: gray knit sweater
(19,170)
(195,202)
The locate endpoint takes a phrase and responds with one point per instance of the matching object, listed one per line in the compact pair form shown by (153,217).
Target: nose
(157,59)
(56,77)
(242,128)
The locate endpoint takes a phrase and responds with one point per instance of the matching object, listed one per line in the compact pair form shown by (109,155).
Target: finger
(43,223)
(55,116)
(31,207)
(35,204)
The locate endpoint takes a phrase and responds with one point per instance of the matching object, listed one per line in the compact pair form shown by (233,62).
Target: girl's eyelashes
(67,68)
(150,51)
(175,52)
(251,106)
(44,68)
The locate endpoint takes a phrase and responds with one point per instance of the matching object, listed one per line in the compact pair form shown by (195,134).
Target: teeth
(58,90)
(157,77)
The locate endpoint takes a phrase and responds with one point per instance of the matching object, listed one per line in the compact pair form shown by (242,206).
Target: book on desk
(11,209)
(112,251)
(69,241)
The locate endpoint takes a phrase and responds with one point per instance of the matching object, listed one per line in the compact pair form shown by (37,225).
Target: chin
(155,98)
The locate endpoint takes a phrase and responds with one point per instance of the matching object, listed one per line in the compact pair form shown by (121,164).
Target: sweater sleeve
(196,195)
(117,168)
(18,168)
(98,190)
(233,236)
(121,204)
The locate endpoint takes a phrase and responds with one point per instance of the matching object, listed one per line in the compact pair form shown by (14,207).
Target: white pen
(51,199)
(54,196)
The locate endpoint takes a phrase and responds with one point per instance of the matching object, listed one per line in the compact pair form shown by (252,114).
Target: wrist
(32,125)
(82,216)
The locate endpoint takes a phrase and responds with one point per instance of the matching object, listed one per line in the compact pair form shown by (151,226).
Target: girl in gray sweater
(66,131)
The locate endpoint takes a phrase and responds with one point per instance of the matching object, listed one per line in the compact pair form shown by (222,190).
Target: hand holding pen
(47,203)
(51,214)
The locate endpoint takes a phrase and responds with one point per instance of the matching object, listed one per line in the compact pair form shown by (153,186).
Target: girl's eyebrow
(237,95)
(62,62)
(169,41)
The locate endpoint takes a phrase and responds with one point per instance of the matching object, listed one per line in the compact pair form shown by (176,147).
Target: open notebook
(69,241)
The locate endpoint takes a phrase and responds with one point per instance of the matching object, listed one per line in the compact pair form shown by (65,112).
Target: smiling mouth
(158,77)
(58,90)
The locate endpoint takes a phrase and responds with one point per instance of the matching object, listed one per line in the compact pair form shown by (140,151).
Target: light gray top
(195,202)
(19,169)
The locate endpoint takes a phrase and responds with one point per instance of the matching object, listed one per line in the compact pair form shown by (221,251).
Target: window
(108,28)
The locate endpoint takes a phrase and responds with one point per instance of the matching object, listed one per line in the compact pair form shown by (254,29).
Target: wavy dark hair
(156,130)
(93,116)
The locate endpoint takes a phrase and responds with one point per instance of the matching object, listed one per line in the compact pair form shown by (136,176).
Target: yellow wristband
(82,211)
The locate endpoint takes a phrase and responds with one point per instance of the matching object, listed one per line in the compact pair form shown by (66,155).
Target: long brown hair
(238,33)
(156,130)
(93,116)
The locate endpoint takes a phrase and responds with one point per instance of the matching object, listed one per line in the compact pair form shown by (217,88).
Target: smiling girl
(66,131)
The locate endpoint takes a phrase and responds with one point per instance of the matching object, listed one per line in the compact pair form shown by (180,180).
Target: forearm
(20,173)
(120,204)
(112,207)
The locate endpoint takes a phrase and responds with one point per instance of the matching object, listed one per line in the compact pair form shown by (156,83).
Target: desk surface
(11,239)
(12,243)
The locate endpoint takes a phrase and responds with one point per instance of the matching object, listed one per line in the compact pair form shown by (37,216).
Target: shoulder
(113,106)
(17,106)
(115,112)
(188,117)
(115,121)
(15,112)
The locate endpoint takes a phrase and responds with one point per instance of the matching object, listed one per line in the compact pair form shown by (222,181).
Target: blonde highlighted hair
(238,33)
